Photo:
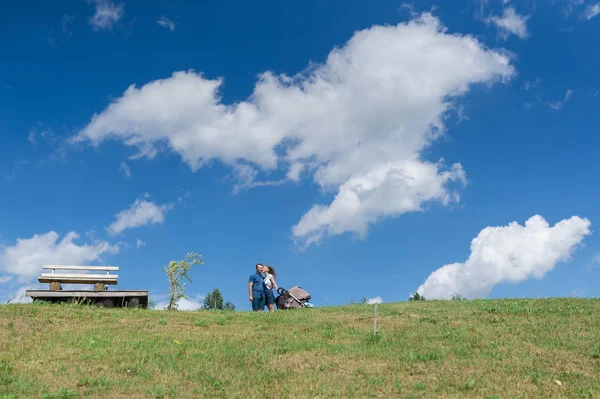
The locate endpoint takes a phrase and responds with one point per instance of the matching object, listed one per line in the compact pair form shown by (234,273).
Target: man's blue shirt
(258,286)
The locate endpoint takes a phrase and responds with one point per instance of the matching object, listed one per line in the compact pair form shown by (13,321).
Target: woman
(269,284)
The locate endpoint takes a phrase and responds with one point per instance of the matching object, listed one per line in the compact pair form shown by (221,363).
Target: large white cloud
(26,257)
(389,190)
(140,213)
(356,124)
(511,254)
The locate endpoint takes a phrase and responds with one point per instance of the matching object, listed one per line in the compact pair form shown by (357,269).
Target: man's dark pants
(258,302)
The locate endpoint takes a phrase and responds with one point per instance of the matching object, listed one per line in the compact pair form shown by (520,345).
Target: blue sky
(244,136)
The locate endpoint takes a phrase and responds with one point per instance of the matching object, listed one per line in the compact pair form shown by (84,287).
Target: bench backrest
(108,269)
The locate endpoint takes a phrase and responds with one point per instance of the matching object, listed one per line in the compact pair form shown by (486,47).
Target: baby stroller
(295,298)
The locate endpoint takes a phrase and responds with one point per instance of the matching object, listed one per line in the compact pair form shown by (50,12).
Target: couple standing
(260,288)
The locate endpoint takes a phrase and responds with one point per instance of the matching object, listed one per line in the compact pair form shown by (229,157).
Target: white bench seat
(79,278)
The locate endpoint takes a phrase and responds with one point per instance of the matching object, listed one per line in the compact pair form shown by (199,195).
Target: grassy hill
(457,349)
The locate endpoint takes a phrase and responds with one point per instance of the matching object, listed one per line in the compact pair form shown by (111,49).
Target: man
(256,289)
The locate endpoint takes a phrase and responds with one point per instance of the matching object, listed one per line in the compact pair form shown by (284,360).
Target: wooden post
(55,286)
(99,287)
(375,321)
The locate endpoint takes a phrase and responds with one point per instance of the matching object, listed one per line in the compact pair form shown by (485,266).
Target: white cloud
(66,21)
(41,132)
(592,10)
(528,85)
(195,303)
(365,199)
(139,243)
(408,6)
(295,171)
(31,137)
(5,279)
(20,296)
(571,6)
(356,124)
(373,301)
(511,22)
(512,253)
(245,178)
(125,170)
(26,257)
(559,104)
(140,213)
(166,23)
(183,197)
(107,14)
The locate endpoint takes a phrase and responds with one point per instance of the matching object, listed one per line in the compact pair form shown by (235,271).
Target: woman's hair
(271,270)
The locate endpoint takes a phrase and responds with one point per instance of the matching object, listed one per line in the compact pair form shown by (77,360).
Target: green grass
(453,349)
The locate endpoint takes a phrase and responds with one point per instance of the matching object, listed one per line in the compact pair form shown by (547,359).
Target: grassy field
(523,348)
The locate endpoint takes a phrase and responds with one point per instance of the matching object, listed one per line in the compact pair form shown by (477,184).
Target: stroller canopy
(299,293)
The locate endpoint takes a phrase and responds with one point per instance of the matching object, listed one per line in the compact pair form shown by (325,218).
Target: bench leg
(133,303)
(99,287)
(105,302)
(55,286)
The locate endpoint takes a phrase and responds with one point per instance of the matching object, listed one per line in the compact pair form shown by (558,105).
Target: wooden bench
(64,274)
(100,281)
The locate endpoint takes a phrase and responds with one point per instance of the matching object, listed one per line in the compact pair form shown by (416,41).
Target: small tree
(457,297)
(214,300)
(416,297)
(176,272)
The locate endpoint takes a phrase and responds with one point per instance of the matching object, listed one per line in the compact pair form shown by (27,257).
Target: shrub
(416,297)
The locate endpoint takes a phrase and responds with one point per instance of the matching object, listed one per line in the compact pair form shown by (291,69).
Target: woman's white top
(268,281)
